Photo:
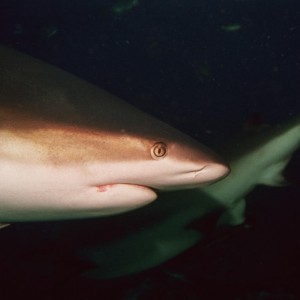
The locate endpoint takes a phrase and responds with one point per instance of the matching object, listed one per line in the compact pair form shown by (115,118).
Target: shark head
(71,150)
(165,165)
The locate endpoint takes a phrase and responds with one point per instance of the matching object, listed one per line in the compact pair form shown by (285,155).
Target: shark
(165,230)
(71,150)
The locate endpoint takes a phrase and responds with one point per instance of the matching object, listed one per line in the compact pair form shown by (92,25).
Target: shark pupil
(159,150)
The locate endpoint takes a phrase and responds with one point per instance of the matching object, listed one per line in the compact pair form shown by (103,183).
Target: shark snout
(201,166)
(188,178)
(196,164)
(211,172)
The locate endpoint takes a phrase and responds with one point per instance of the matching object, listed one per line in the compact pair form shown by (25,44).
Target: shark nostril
(212,172)
(198,172)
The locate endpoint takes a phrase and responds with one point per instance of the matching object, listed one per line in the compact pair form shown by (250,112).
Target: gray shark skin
(259,159)
(70,150)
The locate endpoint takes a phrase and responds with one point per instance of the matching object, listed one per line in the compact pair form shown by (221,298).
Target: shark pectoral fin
(3,225)
(272,175)
(117,198)
(234,215)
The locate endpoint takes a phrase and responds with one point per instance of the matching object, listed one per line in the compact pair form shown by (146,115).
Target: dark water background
(179,61)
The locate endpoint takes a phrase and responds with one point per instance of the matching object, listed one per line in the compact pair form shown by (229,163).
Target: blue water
(185,63)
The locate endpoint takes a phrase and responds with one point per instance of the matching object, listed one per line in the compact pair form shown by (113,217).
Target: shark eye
(159,150)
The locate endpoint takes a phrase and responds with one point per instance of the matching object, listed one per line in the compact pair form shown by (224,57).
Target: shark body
(71,150)
(260,159)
